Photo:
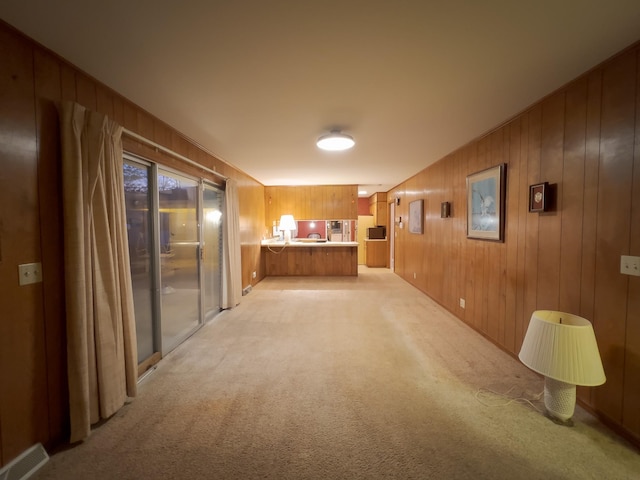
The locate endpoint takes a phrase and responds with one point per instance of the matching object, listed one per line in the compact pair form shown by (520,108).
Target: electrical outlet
(630,265)
(30,273)
(462,303)
(414,275)
(253,274)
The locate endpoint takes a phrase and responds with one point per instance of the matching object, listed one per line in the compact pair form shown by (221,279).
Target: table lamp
(563,348)
(287,225)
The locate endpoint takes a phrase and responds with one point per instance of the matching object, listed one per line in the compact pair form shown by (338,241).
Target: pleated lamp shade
(563,347)
(287,224)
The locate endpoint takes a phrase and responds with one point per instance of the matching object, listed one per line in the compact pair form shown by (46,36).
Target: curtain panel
(101,335)
(232,283)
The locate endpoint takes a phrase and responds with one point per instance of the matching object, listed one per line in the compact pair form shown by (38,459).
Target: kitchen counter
(312,258)
(307,243)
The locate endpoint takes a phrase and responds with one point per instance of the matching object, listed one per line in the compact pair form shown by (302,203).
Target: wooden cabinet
(378,208)
(322,202)
(377,253)
(311,261)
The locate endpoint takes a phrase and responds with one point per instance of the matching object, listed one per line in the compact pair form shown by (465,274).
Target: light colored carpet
(341,378)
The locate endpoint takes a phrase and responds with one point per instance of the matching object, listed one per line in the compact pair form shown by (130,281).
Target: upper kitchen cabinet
(311,202)
(378,208)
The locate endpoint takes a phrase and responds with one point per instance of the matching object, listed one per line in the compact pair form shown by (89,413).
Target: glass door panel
(137,192)
(179,258)
(212,250)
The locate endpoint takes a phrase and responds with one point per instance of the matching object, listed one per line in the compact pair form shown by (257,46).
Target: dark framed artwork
(445,210)
(416,224)
(486,204)
(538,196)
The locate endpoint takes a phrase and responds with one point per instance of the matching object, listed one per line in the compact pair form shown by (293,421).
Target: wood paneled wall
(585,141)
(24,402)
(318,202)
(33,398)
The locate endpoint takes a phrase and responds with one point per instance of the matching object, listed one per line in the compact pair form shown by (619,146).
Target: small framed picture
(415,217)
(445,210)
(538,194)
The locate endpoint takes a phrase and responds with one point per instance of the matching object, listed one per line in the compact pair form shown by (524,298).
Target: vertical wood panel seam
(537,228)
(597,190)
(516,227)
(42,320)
(592,392)
(629,243)
(562,170)
(584,187)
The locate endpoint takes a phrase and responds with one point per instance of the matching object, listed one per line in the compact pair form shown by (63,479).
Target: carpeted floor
(341,378)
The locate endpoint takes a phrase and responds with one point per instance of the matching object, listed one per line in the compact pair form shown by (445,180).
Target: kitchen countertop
(306,243)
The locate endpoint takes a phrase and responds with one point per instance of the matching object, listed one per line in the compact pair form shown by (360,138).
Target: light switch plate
(630,265)
(30,273)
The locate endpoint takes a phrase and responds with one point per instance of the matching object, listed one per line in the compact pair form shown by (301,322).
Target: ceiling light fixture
(335,141)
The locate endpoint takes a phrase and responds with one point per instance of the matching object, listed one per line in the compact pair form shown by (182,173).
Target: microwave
(377,233)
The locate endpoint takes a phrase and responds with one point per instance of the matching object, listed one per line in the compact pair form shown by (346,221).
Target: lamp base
(559,400)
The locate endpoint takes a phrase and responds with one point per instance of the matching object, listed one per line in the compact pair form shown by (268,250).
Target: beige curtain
(232,281)
(101,336)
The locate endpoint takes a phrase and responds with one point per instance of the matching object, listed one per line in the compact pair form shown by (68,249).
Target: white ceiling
(257,81)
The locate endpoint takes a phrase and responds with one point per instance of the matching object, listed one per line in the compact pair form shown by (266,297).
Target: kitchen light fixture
(563,348)
(335,141)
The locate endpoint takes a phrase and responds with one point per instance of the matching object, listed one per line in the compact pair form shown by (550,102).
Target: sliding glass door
(138,189)
(174,226)
(212,199)
(179,258)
